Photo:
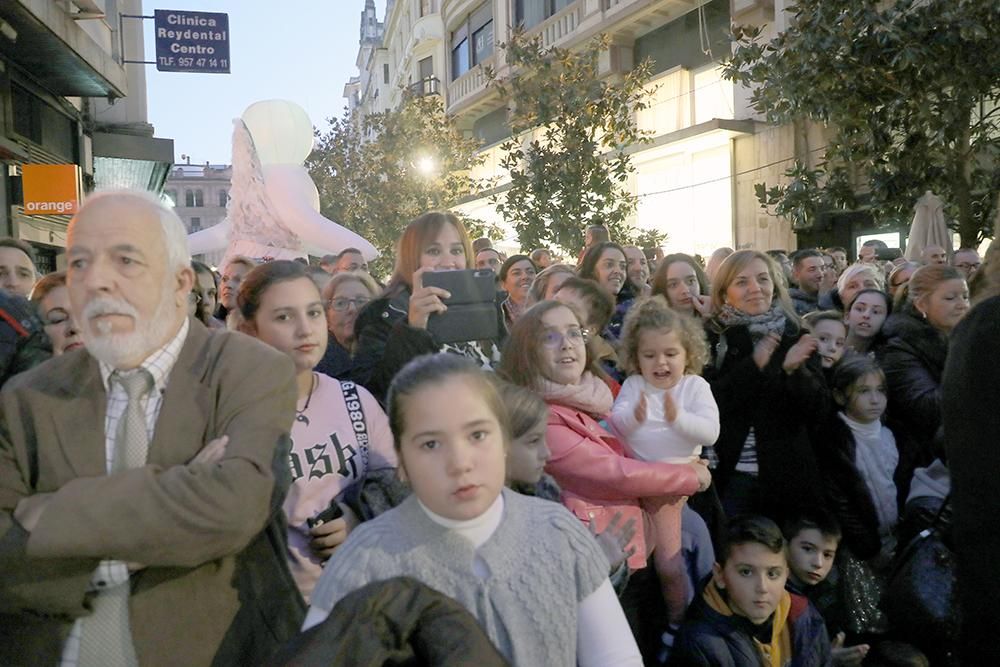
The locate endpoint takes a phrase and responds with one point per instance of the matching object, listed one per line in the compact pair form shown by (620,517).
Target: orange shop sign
(51,189)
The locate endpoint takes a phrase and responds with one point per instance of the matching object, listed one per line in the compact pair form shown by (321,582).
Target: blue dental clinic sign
(192,41)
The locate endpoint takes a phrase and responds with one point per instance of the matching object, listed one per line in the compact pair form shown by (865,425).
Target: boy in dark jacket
(745,616)
(813,540)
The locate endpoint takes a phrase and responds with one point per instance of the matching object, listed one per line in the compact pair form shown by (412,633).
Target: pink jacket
(598,479)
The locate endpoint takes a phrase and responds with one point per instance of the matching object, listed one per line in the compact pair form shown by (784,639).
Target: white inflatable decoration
(273,210)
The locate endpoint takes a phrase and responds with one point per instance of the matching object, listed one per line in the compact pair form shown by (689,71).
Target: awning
(131,161)
(57,52)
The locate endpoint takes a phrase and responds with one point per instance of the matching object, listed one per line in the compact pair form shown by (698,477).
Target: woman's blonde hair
(855,270)
(985,283)
(654,314)
(418,233)
(736,262)
(46,284)
(925,280)
(346,277)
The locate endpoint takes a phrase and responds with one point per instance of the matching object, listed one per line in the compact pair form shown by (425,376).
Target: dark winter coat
(23,343)
(803,302)
(386,342)
(336,362)
(710,639)
(780,407)
(845,491)
(913,359)
(398,621)
(971,400)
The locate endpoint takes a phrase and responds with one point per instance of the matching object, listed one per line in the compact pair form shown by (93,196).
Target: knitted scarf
(773,321)
(590,395)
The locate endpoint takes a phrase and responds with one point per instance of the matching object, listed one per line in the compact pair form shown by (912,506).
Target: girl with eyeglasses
(344,296)
(547,351)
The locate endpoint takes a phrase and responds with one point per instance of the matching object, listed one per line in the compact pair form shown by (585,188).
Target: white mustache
(109,306)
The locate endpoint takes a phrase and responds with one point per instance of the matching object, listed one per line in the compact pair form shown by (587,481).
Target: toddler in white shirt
(665,412)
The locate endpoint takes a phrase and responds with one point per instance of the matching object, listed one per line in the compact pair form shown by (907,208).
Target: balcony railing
(469,84)
(429,86)
(559,25)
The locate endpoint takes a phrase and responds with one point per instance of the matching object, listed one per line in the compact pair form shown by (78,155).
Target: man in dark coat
(971,415)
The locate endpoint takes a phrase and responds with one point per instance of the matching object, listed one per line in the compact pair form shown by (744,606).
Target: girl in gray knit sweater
(526,568)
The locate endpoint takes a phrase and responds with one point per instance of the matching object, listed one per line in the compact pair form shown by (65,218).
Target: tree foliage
(910,90)
(376,174)
(567,155)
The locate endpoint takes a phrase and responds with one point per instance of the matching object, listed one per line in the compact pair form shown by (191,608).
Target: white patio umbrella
(928,227)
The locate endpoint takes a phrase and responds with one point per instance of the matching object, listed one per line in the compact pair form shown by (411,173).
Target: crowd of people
(655,459)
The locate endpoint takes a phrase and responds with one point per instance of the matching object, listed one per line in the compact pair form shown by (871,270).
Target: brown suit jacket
(216,589)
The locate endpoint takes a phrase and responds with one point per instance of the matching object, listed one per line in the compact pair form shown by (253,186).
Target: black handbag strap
(907,552)
(936,524)
(356,413)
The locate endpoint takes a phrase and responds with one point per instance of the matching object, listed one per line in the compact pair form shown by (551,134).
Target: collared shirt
(159,364)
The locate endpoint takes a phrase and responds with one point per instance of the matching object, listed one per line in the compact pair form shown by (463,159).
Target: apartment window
(472,41)
(529,13)
(34,119)
(426,68)
(385,73)
(194,198)
(195,225)
(426,7)
(223,198)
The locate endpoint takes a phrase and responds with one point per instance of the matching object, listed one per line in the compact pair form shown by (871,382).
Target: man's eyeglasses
(342,304)
(554,339)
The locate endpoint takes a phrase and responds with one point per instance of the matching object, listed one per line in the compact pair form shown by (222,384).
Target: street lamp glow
(425,165)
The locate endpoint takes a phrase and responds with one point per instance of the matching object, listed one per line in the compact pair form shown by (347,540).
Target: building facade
(67,97)
(695,180)
(200,194)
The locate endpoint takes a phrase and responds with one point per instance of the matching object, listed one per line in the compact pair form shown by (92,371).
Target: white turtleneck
(876,458)
(477,530)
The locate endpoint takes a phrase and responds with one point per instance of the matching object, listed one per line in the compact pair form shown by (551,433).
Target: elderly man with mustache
(141,478)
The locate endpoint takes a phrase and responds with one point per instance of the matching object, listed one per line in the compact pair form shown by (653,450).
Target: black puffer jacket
(398,621)
(780,408)
(23,343)
(913,358)
(386,342)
